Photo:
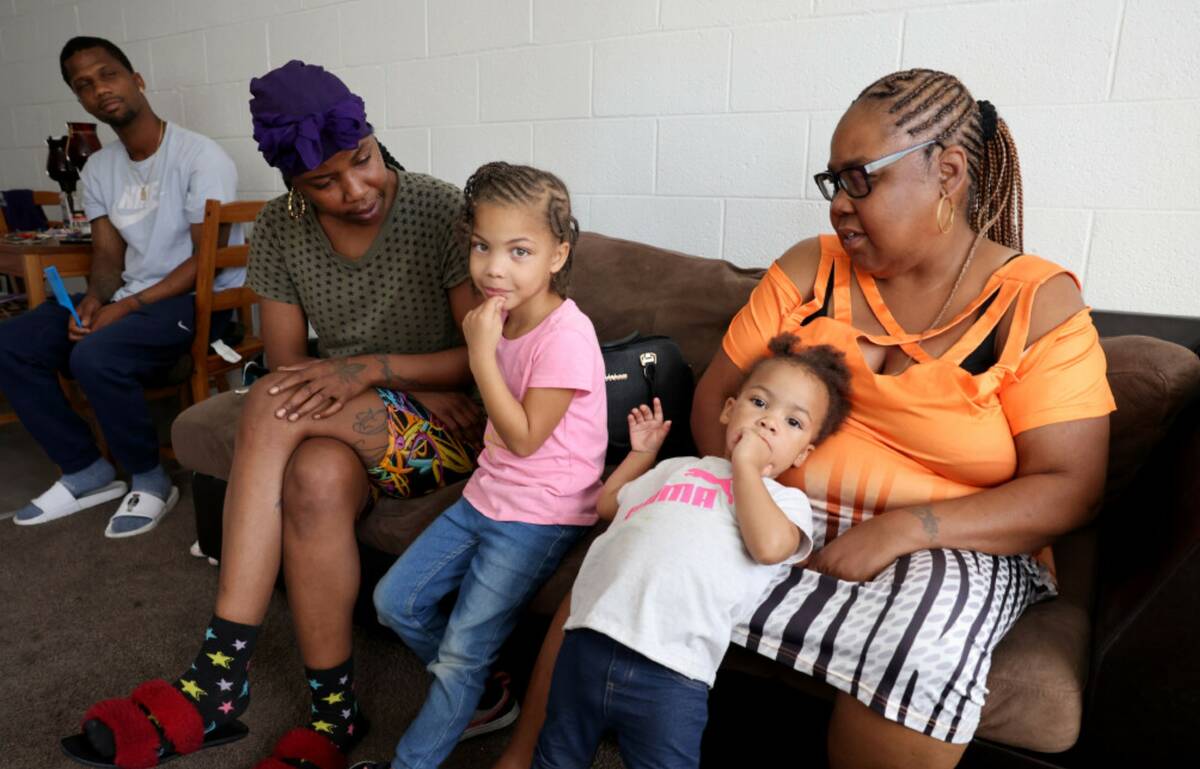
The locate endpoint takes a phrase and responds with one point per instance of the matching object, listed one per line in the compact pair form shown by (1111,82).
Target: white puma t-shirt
(671,576)
(185,171)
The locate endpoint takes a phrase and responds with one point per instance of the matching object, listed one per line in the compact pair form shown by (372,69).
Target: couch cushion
(393,524)
(203,435)
(625,286)
(1039,670)
(1151,381)
(1036,683)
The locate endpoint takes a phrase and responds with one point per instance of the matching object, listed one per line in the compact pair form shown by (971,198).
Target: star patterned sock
(218,682)
(334,705)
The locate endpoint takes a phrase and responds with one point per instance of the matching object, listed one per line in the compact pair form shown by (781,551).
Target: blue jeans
(496,566)
(110,365)
(658,715)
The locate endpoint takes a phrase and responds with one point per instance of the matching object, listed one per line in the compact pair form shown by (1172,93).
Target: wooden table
(27,259)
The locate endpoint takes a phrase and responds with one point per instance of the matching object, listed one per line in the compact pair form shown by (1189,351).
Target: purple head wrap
(302,115)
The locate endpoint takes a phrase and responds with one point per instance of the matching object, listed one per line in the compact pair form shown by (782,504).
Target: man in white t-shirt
(692,546)
(145,199)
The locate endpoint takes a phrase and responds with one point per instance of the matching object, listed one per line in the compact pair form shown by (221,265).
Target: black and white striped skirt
(914,644)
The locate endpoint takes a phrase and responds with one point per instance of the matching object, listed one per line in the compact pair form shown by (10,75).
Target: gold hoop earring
(296,210)
(944,228)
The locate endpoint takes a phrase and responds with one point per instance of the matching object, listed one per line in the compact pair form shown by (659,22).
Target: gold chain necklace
(962,272)
(143,182)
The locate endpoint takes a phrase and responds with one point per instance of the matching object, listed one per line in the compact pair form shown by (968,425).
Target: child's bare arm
(647,431)
(769,536)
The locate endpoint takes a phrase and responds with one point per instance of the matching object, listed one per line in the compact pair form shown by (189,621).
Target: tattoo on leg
(371,422)
(347,371)
(929,521)
(370,455)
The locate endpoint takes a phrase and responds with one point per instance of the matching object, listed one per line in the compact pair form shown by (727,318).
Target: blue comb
(60,292)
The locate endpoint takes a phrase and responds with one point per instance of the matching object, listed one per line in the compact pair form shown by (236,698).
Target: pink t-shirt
(558,483)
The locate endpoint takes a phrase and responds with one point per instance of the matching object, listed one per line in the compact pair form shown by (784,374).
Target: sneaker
(497,708)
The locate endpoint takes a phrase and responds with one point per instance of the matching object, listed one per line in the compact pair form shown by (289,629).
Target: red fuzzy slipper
(138,741)
(302,747)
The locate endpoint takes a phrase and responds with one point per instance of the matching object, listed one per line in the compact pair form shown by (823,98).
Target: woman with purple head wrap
(370,256)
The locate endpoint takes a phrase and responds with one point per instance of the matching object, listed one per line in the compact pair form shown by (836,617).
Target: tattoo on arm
(391,379)
(929,521)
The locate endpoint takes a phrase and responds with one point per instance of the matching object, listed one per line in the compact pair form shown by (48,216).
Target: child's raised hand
(648,429)
(752,452)
(482,325)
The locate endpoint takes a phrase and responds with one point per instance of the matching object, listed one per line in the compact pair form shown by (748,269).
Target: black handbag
(638,369)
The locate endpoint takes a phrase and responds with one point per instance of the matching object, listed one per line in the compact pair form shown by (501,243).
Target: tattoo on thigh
(369,455)
(348,372)
(929,521)
(371,422)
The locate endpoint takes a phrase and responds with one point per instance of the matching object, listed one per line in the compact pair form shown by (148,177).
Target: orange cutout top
(934,431)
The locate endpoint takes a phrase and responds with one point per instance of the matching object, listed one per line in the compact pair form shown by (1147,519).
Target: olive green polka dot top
(390,300)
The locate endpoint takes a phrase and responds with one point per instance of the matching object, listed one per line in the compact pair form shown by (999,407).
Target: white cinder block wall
(692,124)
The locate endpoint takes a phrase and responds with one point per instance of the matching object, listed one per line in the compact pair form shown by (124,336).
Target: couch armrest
(1144,690)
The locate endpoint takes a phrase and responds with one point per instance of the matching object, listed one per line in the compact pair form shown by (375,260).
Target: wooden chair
(40,198)
(211,256)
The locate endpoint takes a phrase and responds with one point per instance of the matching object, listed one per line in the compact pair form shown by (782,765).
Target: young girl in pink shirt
(537,363)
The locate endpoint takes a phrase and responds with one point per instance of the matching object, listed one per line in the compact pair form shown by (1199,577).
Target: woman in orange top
(978,422)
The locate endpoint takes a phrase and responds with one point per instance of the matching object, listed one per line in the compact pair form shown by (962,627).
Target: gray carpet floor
(85,618)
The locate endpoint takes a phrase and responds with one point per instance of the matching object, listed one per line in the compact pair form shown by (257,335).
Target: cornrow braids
(827,364)
(508,184)
(387,156)
(934,105)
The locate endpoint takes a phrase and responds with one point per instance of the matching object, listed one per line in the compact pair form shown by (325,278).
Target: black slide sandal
(79,748)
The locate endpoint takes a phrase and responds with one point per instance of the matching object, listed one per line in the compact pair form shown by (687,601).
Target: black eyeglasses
(856,180)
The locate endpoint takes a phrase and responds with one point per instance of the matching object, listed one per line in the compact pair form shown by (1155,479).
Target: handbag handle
(620,342)
(649,364)
(647,360)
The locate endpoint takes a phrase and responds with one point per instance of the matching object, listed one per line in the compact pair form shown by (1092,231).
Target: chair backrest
(40,198)
(212,255)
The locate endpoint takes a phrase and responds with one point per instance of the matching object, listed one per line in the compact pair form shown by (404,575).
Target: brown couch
(1045,675)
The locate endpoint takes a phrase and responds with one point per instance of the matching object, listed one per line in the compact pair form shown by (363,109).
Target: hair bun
(987,119)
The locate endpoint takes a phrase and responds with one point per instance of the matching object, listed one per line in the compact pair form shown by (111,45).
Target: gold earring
(296,210)
(944,228)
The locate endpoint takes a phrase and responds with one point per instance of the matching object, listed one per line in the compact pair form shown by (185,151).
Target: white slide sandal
(57,502)
(139,504)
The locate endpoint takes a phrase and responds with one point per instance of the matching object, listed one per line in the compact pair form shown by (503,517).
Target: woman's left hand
(321,386)
(862,552)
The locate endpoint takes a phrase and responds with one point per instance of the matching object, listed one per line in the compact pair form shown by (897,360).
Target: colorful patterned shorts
(421,456)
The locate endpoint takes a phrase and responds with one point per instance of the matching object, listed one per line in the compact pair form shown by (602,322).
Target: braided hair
(934,105)
(507,184)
